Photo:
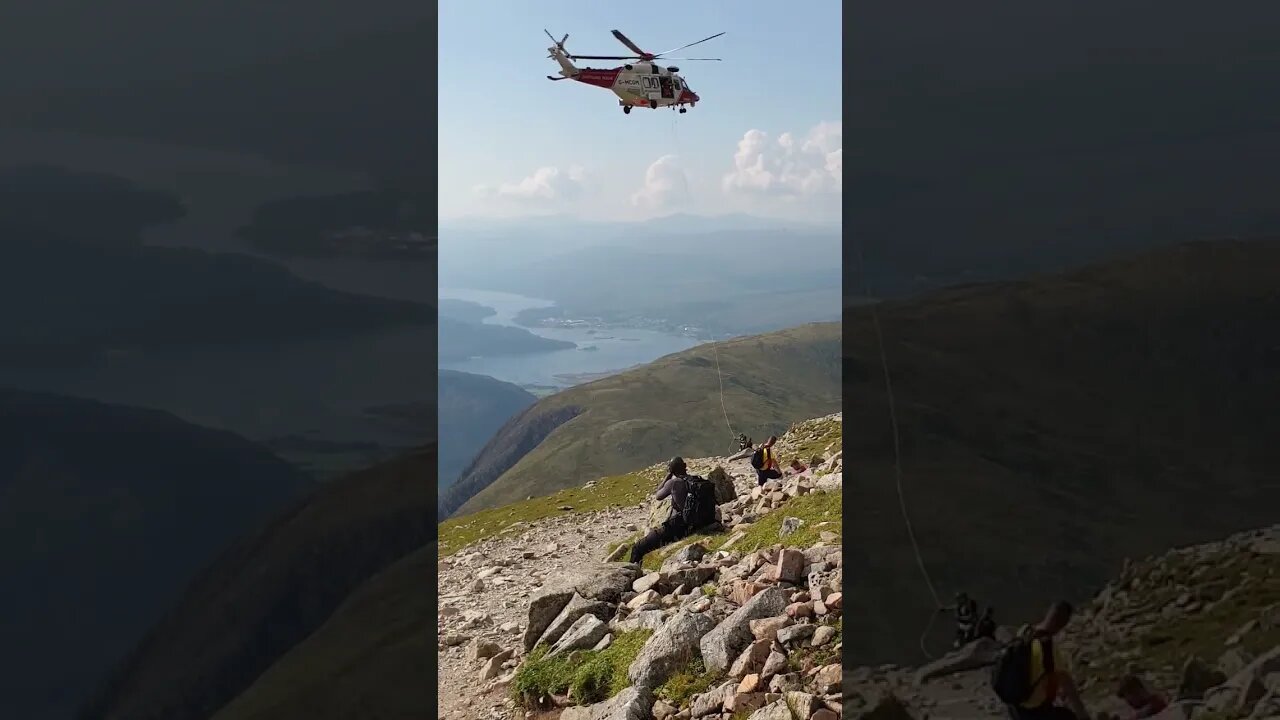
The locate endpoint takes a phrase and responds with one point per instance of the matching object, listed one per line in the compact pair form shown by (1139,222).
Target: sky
(765,139)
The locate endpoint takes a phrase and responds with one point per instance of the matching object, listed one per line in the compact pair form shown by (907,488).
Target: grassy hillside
(471,409)
(372,659)
(271,590)
(668,407)
(106,512)
(1052,427)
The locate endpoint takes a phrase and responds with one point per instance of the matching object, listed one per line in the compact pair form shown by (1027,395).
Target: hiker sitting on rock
(765,461)
(744,442)
(1042,674)
(1141,701)
(693,506)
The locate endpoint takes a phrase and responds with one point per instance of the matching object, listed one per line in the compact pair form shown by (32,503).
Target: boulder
(493,667)
(773,711)
(602,581)
(767,628)
(642,620)
(980,653)
(1242,692)
(669,649)
(723,644)
(751,660)
(630,704)
(583,635)
(572,611)
(1198,678)
(725,491)
(712,701)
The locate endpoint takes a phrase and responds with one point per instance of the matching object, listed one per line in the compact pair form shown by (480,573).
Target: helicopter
(642,83)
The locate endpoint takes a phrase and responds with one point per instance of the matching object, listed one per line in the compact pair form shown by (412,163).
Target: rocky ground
(1201,625)
(548,621)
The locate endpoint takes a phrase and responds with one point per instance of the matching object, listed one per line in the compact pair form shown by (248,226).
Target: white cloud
(546,183)
(665,185)
(787,166)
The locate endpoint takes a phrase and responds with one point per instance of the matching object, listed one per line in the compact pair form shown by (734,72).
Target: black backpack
(1011,675)
(699,503)
(757,459)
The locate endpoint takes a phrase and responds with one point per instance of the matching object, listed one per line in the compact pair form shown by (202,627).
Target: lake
(615,349)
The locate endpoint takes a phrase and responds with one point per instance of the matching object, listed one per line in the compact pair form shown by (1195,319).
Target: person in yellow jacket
(1050,672)
(765,461)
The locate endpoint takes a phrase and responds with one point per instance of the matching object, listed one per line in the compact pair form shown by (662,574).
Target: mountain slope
(471,409)
(105,513)
(1051,427)
(371,658)
(670,406)
(270,590)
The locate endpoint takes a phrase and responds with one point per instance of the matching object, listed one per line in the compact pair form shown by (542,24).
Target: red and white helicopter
(642,83)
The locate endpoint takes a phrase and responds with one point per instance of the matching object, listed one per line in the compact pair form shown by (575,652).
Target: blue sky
(765,139)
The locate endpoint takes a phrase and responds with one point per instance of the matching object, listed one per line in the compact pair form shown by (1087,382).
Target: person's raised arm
(665,490)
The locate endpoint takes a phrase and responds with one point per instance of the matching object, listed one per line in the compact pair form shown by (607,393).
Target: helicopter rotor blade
(630,45)
(606,57)
(553,37)
(685,46)
(688,59)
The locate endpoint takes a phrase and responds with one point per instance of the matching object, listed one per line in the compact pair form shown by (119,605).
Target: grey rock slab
(669,649)
(721,646)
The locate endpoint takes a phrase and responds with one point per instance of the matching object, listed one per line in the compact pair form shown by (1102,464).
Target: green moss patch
(588,677)
(690,681)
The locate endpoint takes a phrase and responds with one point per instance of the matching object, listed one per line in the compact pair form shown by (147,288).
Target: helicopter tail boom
(561,56)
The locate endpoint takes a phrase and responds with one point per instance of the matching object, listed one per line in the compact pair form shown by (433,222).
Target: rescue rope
(897,448)
(715,346)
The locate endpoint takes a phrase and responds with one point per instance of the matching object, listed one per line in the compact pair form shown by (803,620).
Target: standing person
(966,610)
(1033,674)
(765,461)
(693,506)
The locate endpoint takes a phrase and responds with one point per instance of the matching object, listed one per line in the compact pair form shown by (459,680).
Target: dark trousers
(665,534)
(763,476)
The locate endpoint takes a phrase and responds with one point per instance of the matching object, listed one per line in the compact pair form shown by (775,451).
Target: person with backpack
(765,461)
(693,506)
(1032,674)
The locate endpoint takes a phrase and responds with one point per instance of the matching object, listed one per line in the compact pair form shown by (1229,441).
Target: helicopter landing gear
(684,110)
(626,109)
(653,104)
